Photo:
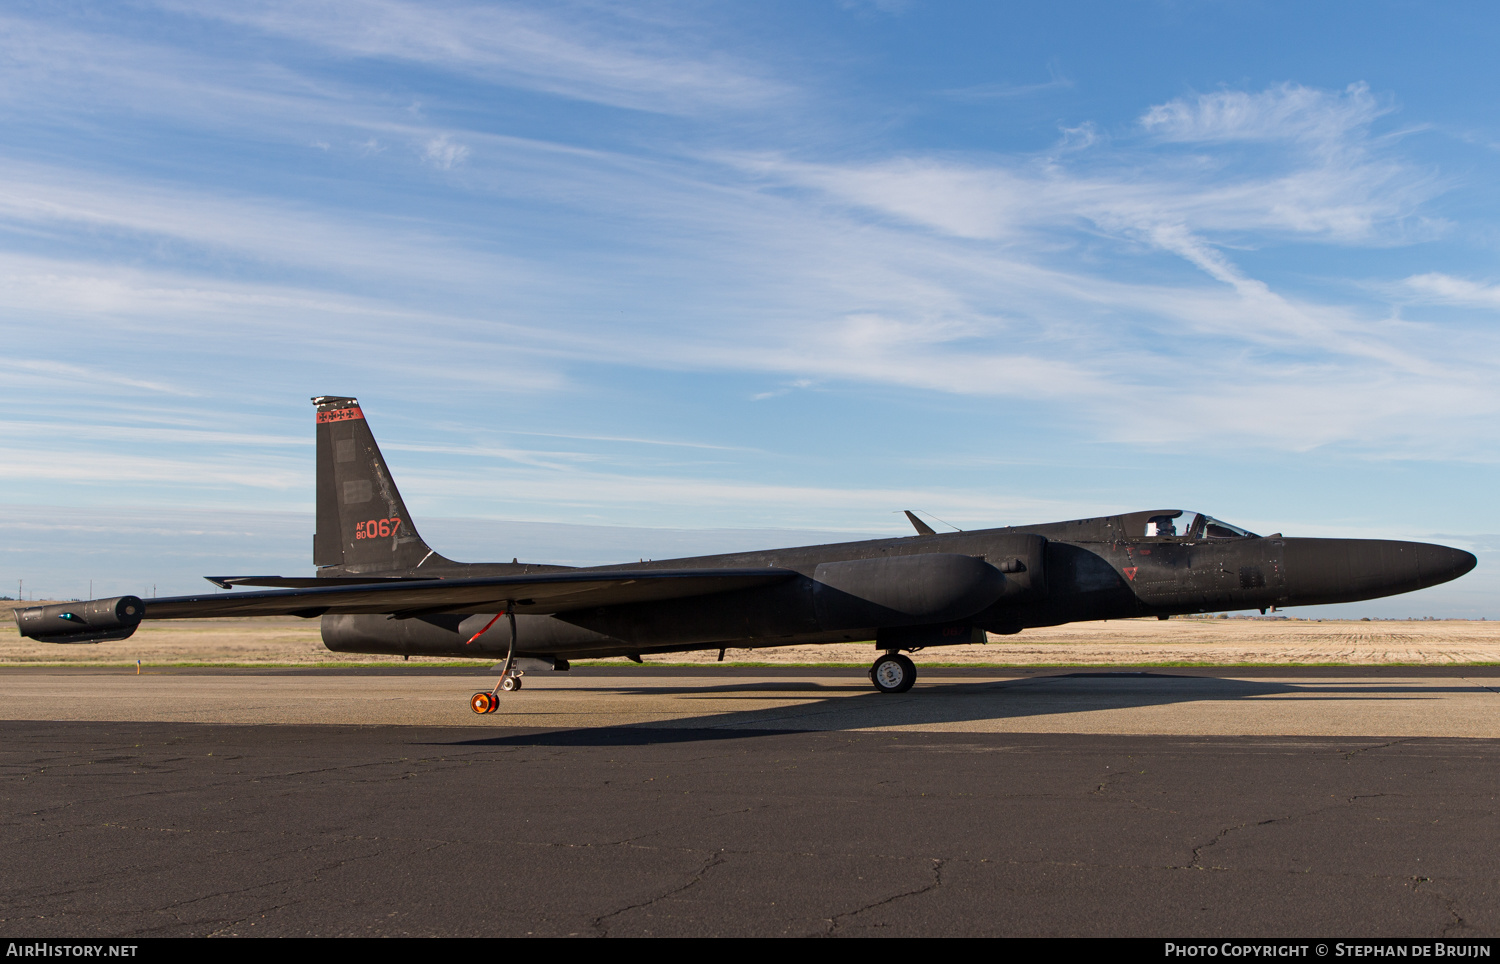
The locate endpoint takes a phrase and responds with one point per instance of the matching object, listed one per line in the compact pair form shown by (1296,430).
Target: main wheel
(510,683)
(893,673)
(481,702)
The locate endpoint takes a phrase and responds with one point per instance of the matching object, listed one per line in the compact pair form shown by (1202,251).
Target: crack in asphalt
(1198,850)
(1348,801)
(836,921)
(227,930)
(598,923)
(1109,779)
(1449,903)
(1374,746)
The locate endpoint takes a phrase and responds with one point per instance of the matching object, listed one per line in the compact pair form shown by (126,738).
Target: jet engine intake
(93,621)
(927,588)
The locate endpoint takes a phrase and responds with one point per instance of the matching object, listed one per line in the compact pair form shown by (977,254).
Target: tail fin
(363,525)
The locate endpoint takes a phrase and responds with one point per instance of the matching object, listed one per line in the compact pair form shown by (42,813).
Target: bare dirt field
(1129,642)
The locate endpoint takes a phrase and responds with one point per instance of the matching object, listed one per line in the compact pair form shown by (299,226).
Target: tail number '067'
(376,528)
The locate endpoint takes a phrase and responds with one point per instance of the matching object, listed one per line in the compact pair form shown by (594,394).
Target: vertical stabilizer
(363,525)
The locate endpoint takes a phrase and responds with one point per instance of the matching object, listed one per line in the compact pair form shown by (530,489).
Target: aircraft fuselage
(1049,574)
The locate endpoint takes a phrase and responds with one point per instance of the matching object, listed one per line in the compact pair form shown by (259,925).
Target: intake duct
(82,622)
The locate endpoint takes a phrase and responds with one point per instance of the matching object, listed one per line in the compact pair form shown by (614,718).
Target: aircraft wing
(539,593)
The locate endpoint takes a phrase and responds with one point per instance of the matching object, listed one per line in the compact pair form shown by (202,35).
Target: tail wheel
(893,673)
(482,703)
(510,683)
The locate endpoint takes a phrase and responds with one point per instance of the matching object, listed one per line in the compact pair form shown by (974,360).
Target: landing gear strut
(510,678)
(893,673)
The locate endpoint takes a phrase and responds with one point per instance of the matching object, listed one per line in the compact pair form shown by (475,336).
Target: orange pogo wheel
(482,703)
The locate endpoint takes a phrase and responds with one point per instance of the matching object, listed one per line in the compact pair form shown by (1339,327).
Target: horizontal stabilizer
(306,582)
(538,593)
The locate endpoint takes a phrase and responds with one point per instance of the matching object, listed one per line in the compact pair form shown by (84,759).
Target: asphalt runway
(1326,803)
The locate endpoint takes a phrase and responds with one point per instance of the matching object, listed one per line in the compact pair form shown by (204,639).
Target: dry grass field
(1130,642)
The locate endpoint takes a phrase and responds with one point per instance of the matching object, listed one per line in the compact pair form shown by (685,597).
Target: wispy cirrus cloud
(1446,289)
(61,204)
(113,469)
(946,288)
(1135,188)
(57,374)
(622,57)
(443,153)
(1284,112)
(1265,363)
(1001,90)
(625,495)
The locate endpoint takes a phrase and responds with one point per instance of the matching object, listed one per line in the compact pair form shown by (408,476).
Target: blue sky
(744,269)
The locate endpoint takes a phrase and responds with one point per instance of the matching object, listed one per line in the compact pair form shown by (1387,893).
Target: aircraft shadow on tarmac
(945,703)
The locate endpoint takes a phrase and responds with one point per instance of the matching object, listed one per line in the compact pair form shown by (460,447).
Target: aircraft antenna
(943,521)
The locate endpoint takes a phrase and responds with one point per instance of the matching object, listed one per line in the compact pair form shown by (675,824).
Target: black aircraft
(380,589)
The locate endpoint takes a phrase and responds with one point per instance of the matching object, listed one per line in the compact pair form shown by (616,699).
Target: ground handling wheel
(510,683)
(893,673)
(482,703)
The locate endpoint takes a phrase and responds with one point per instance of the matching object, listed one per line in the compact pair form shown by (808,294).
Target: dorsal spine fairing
(363,525)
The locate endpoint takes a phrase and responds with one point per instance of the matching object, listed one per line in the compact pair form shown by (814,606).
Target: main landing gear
(510,677)
(893,673)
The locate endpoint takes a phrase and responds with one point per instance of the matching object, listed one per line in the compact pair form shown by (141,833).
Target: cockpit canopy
(1187,524)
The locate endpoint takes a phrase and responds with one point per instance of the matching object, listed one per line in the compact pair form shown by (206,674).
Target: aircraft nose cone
(1448,563)
(1344,570)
